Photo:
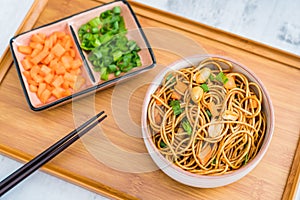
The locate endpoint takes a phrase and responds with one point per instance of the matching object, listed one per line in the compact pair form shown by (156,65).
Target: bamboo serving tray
(107,160)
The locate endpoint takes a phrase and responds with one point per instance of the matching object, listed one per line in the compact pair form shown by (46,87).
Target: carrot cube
(36,45)
(76,63)
(45,70)
(48,58)
(33,88)
(58,50)
(41,88)
(37,38)
(67,61)
(58,81)
(60,69)
(40,56)
(25,49)
(48,78)
(35,52)
(72,53)
(70,77)
(26,74)
(58,92)
(45,95)
(26,64)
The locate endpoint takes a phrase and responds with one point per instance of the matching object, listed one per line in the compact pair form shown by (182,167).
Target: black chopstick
(27,169)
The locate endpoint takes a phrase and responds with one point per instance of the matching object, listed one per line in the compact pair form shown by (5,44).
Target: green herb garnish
(222,78)
(246,159)
(187,127)
(208,113)
(214,161)
(211,77)
(162,144)
(204,87)
(175,104)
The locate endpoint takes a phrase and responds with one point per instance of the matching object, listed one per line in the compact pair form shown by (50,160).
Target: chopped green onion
(246,159)
(214,161)
(187,127)
(208,113)
(175,104)
(117,73)
(222,78)
(211,77)
(110,50)
(204,87)
(162,144)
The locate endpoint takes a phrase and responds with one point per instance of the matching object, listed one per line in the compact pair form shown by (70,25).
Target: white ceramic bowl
(205,181)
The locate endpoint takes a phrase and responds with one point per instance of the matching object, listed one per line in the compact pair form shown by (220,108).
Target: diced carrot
(68,44)
(175,95)
(35,52)
(58,92)
(45,95)
(72,53)
(158,102)
(26,64)
(53,38)
(67,93)
(37,38)
(33,88)
(66,84)
(67,61)
(70,77)
(48,59)
(58,81)
(53,63)
(48,44)
(32,82)
(35,70)
(58,49)
(25,49)
(35,45)
(45,70)
(75,71)
(48,78)
(41,88)
(60,69)
(76,63)
(50,88)
(27,75)
(40,56)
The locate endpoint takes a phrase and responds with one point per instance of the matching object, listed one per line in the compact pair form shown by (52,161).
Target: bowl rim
(152,150)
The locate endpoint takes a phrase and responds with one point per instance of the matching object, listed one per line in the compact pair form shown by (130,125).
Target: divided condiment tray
(92,81)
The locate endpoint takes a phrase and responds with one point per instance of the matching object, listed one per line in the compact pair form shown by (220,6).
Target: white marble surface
(10,19)
(273,22)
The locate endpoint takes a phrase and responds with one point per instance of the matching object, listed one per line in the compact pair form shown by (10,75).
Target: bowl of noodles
(207,121)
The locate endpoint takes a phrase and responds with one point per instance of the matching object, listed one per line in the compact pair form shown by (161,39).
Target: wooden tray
(92,163)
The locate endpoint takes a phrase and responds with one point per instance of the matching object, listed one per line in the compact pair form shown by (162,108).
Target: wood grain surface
(106,160)
(28,22)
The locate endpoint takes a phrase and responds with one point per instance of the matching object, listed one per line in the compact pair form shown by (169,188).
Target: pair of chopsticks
(27,169)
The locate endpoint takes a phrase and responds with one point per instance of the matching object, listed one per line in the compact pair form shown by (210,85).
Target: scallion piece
(204,87)
(222,78)
(175,104)
(187,127)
